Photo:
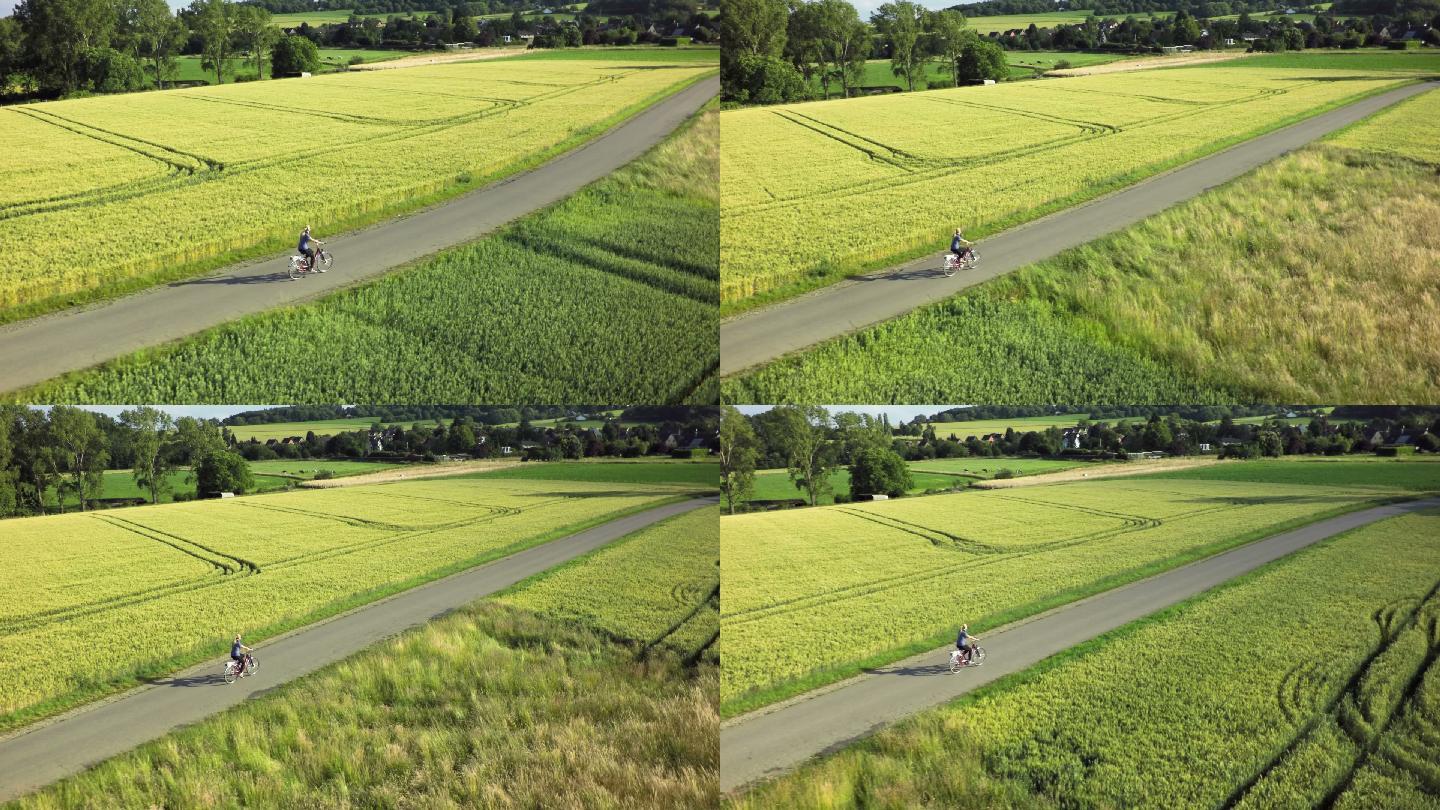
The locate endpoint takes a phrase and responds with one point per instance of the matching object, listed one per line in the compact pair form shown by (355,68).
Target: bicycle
(300,265)
(232,668)
(959,662)
(954,263)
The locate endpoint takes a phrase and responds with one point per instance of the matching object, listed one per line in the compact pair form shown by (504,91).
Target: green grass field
(986,468)
(981,427)
(305,469)
(816,595)
(698,54)
(118,484)
(328,427)
(1222,701)
(189,69)
(316,18)
(698,473)
(544,699)
(1023,64)
(1133,317)
(639,246)
(775,485)
(1414,473)
(1425,62)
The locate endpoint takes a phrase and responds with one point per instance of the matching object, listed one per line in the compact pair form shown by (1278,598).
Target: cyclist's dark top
(955,245)
(960,639)
(304,241)
(235,650)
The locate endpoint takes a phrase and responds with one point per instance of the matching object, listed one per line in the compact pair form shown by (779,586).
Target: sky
(897,413)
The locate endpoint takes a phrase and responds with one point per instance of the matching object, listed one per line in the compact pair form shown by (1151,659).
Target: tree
(152,468)
(255,32)
(981,59)
(901,25)
(809,456)
(1270,443)
(157,35)
(223,471)
(215,24)
(738,449)
(948,37)
(58,34)
(110,71)
(878,471)
(763,80)
(81,449)
(752,28)
(804,44)
(292,56)
(9,490)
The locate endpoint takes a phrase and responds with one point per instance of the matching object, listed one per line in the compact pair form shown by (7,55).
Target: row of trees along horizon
(70,48)
(812,443)
(776,51)
(55,456)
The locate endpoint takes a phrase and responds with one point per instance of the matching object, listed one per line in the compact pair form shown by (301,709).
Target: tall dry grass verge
(491,707)
(1311,280)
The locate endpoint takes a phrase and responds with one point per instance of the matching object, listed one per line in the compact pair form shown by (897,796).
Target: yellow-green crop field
(105,192)
(805,187)
(93,599)
(809,592)
(1332,700)
(658,586)
(1406,130)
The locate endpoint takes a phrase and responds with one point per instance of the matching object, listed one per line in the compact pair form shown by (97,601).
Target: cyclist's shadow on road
(234,280)
(907,274)
(913,671)
(209,679)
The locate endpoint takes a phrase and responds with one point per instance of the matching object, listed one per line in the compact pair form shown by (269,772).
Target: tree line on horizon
(777,51)
(811,443)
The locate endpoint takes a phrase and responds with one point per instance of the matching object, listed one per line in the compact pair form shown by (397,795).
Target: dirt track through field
(42,348)
(50,751)
(1088,473)
(771,741)
(769,333)
(409,473)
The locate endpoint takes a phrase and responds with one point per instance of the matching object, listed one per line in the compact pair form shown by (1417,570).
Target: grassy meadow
(702,473)
(639,246)
(326,427)
(1167,712)
(1299,282)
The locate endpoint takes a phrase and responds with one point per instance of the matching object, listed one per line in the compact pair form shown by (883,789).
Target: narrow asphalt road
(36,350)
(767,334)
(770,742)
(35,758)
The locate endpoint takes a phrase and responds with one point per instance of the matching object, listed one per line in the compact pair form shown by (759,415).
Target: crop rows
(810,591)
(329,150)
(516,313)
(805,183)
(1333,699)
(659,586)
(189,576)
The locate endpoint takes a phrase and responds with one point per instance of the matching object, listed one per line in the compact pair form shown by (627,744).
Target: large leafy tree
(738,450)
(902,25)
(878,471)
(215,23)
(255,33)
(157,36)
(804,435)
(81,450)
(292,56)
(59,34)
(152,469)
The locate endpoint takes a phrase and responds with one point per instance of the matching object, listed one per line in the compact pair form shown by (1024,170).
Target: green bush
(324,475)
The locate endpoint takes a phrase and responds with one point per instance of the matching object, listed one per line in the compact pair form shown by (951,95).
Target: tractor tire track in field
(771,741)
(35,757)
(40,349)
(1348,709)
(711,599)
(769,333)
